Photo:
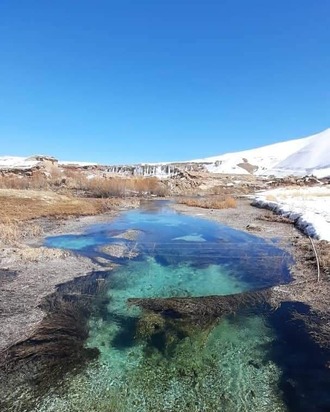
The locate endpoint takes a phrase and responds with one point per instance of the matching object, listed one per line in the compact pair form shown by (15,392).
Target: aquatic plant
(202,307)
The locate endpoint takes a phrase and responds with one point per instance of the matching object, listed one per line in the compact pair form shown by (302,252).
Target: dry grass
(18,208)
(15,209)
(319,192)
(13,232)
(210,203)
(100,187)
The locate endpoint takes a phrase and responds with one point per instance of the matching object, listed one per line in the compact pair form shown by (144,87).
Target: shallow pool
(176,360)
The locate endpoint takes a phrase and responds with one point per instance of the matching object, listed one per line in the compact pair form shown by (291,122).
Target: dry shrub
(101,187)
(116,186)
(210,203)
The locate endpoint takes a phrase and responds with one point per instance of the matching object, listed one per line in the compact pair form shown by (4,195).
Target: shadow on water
(305,367)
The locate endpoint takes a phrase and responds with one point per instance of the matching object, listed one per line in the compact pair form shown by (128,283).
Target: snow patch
(308,207)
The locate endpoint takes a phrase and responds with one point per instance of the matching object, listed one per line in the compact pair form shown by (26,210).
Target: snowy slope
(309,155)
(313,158)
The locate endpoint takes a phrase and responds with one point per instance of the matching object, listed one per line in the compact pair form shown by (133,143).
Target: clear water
(149,362)
(183,255)
(222,368)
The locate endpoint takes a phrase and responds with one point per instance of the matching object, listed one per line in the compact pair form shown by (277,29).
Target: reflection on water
(161,360)
(173,240)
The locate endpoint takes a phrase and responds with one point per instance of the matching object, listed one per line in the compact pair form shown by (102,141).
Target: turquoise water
(153,361)
(182,250)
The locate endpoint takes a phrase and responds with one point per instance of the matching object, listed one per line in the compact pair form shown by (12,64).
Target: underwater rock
(119,250)
(131,234)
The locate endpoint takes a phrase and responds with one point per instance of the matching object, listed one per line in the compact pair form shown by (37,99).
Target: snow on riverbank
(309,207)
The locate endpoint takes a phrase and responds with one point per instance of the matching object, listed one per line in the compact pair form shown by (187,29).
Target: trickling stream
(169,357)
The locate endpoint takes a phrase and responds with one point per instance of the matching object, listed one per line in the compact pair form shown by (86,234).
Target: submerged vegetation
(213,354)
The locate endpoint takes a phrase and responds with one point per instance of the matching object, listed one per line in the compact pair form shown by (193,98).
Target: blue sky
(128,81)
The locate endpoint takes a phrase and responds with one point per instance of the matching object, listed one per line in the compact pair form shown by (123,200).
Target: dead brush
(272,217)
(210,203)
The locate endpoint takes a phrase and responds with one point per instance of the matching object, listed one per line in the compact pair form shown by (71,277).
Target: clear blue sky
(129,81)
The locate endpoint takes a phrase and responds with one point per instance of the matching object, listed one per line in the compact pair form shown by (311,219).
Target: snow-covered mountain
(309,155)
(305,156)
